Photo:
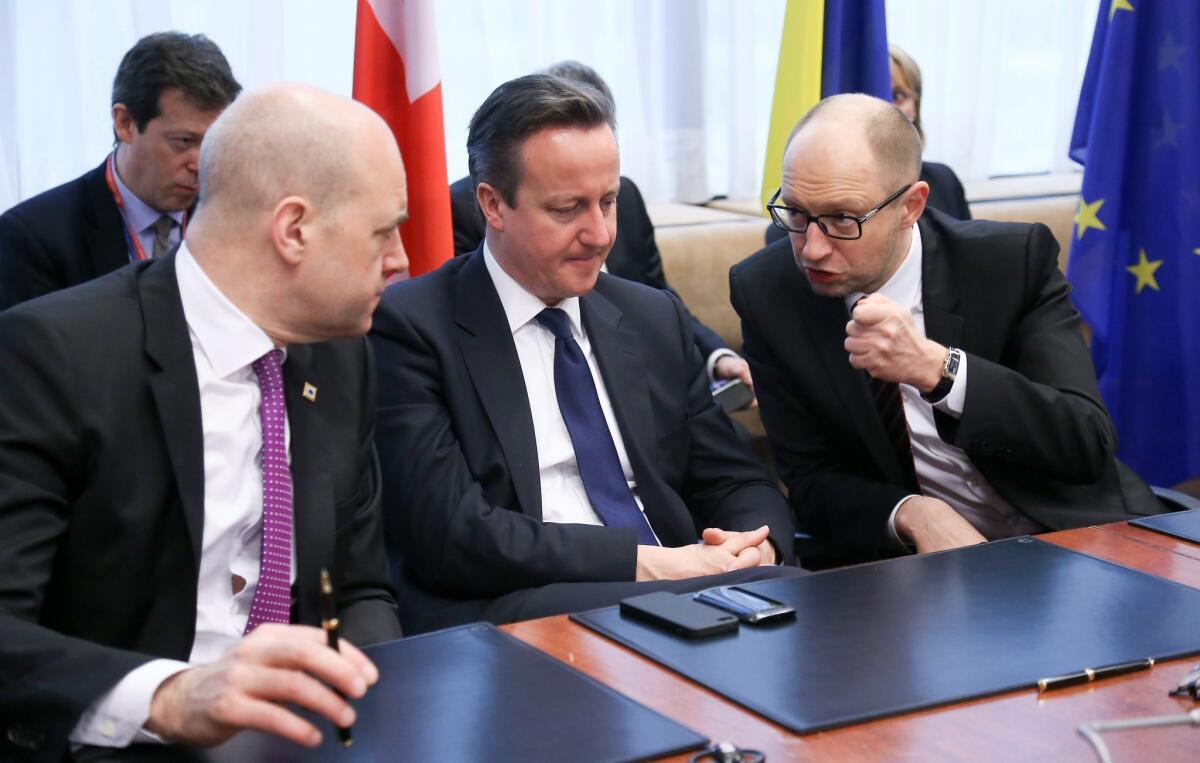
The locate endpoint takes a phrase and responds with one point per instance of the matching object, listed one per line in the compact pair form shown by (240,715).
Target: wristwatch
(949,373)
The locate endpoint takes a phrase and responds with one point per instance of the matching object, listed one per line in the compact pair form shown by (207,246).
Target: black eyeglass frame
(776,210)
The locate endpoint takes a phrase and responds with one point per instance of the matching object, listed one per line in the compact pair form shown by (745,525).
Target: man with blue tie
(168,89)
(546,433)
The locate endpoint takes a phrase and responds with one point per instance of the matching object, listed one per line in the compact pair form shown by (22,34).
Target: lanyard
(133,245)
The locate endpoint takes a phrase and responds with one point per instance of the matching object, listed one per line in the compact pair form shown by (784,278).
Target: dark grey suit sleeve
(1039,407)
(367,605)
(47,679)
(436,515)
(26,270)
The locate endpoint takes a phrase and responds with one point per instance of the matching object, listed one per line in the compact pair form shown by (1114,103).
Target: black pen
(1087,675)
(329,621)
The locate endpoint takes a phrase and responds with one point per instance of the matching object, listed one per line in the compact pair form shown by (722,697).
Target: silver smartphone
(748,606)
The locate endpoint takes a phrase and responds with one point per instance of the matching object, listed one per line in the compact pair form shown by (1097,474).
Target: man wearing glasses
(923,381)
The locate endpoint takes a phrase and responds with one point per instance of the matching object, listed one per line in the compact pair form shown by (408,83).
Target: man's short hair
(580,73)
(192,63)
(518,109)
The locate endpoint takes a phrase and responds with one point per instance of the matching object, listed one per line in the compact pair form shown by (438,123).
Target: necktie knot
(269,369)
(556,321)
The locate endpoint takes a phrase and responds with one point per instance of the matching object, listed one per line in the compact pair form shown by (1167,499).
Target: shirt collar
(138,213)
(904,287)
(520,306)
(226,335)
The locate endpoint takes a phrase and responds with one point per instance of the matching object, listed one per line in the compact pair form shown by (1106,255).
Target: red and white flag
(396,73)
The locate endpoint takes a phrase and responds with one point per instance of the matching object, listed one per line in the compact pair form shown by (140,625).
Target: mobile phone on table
(678,614)
(749,607)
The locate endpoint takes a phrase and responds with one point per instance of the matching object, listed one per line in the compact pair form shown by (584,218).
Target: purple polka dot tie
(273,596)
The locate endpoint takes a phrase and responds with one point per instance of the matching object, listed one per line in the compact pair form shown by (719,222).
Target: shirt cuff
(895,542)
(117,718)
(713,358)
(952,404)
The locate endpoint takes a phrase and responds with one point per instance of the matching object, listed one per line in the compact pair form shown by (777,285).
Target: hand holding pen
(331,624)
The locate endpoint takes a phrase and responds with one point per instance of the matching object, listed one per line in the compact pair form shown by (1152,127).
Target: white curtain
(693,79)
(1001,80)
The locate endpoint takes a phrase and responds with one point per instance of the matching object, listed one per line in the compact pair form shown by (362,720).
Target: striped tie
(273,596)
(890,405)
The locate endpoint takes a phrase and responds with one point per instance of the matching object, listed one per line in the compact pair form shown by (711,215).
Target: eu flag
(1135,254)
(854,57)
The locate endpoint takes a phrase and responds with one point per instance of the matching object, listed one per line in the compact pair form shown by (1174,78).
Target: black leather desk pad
(1184,525)
(475,693)
(910,633)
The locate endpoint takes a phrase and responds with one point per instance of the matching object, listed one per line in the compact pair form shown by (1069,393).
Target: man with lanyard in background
(168,89)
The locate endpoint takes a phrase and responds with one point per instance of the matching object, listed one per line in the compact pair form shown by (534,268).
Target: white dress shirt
(224,345)
(943,470)
(563,496)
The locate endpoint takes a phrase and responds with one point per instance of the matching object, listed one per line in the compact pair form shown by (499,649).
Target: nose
(193,159)
(597,231)
(395,260)
(817,245)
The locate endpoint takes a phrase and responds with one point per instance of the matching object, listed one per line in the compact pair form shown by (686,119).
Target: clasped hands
(248,687)
(721,551)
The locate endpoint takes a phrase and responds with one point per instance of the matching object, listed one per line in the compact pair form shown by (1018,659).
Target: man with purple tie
(187,443)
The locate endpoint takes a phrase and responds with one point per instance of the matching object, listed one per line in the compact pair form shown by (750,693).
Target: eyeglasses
(845,227)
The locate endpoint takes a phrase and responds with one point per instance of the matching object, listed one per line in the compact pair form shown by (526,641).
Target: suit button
(26,737)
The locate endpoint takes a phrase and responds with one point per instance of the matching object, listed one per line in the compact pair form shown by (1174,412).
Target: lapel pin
(309,393)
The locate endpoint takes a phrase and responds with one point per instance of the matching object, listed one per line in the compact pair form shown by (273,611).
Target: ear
(290,229)
(490,203)
(914,203)
(123,123)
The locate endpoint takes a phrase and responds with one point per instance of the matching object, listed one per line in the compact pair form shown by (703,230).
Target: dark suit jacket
(634,255)
(945,190)
(945,195)
(102,495)
(462,493)
(60,238)
(1033,422)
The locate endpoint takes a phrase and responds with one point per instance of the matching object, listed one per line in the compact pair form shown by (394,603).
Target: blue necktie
(595,452)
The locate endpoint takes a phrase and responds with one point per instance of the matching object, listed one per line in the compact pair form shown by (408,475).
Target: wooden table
(1016,726)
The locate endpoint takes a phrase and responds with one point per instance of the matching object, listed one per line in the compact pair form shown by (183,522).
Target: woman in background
(945,189)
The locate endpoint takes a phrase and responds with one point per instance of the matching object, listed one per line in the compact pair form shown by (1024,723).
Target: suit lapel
(312,490)
(625,376)
(175,389)
(491,358)
(943,324)
(105,228)
(828,333)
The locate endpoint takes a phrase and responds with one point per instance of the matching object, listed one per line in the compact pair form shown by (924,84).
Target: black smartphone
(748,606)
(678,614)
(732,395)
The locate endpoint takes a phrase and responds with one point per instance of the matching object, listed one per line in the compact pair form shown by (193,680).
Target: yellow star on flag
(1144,272)
(1118,5)
(1088,217)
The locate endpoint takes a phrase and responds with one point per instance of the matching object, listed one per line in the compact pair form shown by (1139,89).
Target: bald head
(286,140)
(302,193)
(853,122)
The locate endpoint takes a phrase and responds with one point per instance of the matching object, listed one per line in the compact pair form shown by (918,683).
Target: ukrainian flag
(828,47)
